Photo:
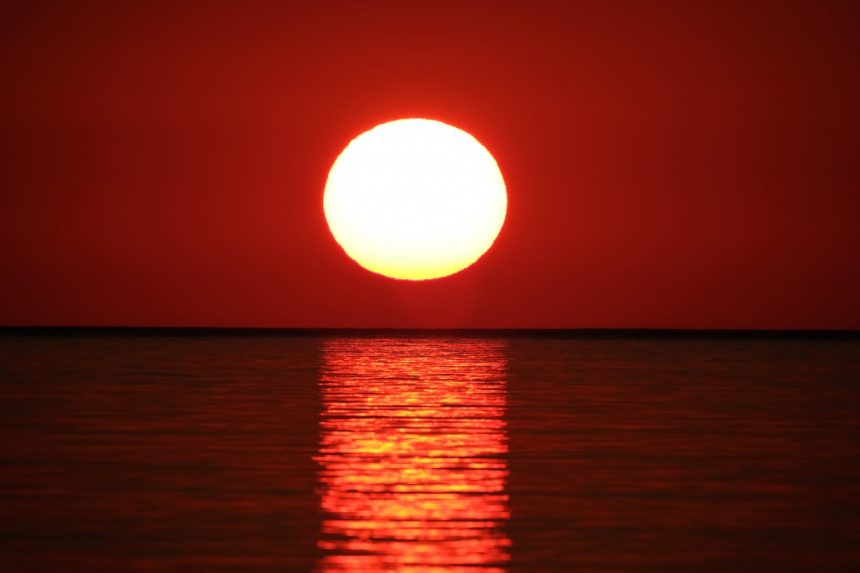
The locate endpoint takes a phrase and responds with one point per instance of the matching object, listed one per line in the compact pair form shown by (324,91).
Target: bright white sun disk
(415,199)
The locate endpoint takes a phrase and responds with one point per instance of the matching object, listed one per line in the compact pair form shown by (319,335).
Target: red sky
(669,164)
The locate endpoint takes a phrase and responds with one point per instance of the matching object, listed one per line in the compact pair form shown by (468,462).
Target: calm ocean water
(428,453)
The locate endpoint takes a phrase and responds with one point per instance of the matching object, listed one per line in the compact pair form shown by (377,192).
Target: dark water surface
(428,453)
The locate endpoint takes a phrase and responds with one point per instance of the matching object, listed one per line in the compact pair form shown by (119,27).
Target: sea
(429,451)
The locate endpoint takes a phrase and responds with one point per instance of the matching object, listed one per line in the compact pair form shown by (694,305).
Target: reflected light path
(412,457)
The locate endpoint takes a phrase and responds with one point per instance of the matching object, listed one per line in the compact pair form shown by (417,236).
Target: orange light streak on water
(412,458)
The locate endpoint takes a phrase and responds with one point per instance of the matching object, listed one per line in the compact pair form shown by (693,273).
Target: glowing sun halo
(415,199)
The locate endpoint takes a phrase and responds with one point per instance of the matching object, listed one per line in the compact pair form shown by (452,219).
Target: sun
(415,199)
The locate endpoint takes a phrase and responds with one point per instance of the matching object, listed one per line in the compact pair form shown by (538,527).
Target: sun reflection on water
(412,464)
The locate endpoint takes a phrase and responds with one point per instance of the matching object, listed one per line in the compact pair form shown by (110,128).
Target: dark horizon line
(583,333)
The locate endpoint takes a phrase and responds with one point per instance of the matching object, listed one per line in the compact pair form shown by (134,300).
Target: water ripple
(412,456)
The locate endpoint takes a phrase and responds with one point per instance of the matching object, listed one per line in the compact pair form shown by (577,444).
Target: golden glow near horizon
(412,456)
(415,199)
